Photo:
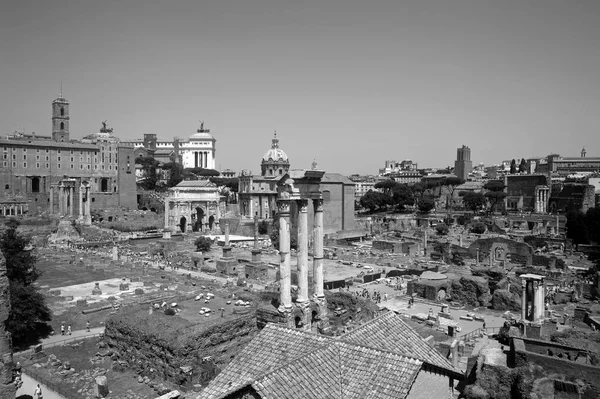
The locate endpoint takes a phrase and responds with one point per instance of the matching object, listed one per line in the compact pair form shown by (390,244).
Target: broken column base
(229,266)
(321,319)
(303,315)
(256,271)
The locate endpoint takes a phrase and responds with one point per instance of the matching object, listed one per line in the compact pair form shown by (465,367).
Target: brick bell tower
(60,119)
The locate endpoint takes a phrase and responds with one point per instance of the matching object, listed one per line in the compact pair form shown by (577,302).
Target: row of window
(58,166)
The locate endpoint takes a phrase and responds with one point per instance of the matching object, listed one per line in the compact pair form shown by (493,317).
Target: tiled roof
(272,348)
(195,183)
(341,370)
(389,332)
(381,359)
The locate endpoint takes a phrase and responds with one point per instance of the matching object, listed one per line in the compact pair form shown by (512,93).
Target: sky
(347,83)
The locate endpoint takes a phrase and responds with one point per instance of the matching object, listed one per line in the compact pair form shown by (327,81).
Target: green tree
(441,229)
(513,167)
(473,201)
(149,165)
(451,183)
(426,205)
(203,244)
(523,166)
(373,200)
(478,228)
(402,196)
(176,174)
(29,314)
(386,186)
(495,192)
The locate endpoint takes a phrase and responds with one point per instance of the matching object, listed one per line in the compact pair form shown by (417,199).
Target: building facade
(34,167)
(197,151)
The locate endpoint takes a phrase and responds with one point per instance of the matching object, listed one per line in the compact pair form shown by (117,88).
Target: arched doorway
(199,217)
(104,185)
(35,185)
(182,223)
(211,221)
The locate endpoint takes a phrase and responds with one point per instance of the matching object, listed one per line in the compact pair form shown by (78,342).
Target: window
(6,186)
(14,156)
(72,166)
(37,157)
(62,111)
(37,165)
(80,152)
(81,167)
(46,150)
(71,152)
(47,158)
(5,156)
(24,149)
(58,166)
(326,196)
(24,164)
(62,126)
(71,157)
(104,185)
(47,166)
(5,164)
(25,157)
(38,150)
(14,164)
(58,159)
(59,151)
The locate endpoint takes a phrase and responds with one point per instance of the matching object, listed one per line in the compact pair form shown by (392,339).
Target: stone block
(123,287)
(101,389)
(148,284)
(81,302)
(38,348)
(139,291)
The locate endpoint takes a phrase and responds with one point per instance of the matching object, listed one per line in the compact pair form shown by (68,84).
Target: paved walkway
(28,388)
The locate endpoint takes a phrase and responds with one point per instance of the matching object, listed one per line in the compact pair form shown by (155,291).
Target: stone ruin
(7,389)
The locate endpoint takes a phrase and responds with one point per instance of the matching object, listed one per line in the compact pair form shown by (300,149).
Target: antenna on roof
(61,88)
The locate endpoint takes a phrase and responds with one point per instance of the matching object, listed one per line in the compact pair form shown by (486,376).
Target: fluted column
(318,248)
(88,200)
(61,200)
(302,250)
(167,233)
(285,278)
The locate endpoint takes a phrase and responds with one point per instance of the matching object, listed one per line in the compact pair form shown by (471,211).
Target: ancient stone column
(81,190)
(227,234)
(218,216)
(318,248)
(71,197)
(285,278)
(167,233)
(7,388)
(302,250)
(524,299)
(51,200)
(88,212)
(61,200)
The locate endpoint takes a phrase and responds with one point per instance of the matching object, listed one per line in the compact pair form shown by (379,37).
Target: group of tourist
(375,296)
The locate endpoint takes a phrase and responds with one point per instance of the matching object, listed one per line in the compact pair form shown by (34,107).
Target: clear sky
(348,83)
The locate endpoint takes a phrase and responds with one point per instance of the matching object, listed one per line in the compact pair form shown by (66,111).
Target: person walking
(69,330)
(62,328)
(87,326)
(38,392)
(484,326)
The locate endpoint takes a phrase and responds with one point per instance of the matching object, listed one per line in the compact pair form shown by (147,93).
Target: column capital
(283,206)
(318,204)
(302,205)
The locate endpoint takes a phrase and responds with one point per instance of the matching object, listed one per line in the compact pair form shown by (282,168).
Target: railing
(61,342)
(65,393)
(477,332)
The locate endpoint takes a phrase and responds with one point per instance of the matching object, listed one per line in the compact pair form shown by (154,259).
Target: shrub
(170,312)
(263,227)
(478,228)
(203,244)
(442,229)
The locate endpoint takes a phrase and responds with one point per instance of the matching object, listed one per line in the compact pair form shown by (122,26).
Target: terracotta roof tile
(389,332)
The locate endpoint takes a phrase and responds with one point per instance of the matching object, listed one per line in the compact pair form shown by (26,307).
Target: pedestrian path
(29,385)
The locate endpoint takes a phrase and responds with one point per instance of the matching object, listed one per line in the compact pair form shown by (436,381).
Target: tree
(451,184)
(386,186)
(478,228)
(473,201)
(441,229)
(402,196)
(592,221)
(426,205)
(513,167)
(203,244)
(373,200)
(149,165)
(523,166)
(176,174)
(495,192)
(29,314)
(201,172)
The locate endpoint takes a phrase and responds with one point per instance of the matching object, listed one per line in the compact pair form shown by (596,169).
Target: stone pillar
(88,212)
(167,233)
(285,278)
(524,299)
(318,248)
(81,190)
(71,197)
(51,200)
(227,234)
(425,244)
(302,250)
(218,216)
(61,200)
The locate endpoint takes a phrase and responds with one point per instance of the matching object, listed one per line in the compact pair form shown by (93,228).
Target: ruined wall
(520,252)
(180,361)
(522,356)
(6,360)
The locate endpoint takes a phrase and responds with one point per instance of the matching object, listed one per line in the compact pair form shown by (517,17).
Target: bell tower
(60,119)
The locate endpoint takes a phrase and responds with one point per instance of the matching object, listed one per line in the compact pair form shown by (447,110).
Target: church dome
(275,162)
(275,153)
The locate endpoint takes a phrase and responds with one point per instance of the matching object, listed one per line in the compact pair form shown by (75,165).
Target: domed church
(275,162)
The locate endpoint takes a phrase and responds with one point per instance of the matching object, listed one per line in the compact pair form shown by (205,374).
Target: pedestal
(321,319)
(228,264)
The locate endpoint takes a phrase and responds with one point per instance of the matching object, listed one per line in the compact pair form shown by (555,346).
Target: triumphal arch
(192,205)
